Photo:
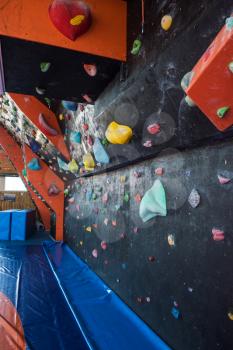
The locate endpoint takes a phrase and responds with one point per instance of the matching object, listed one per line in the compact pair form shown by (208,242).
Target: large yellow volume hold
(88,161)
(118,134)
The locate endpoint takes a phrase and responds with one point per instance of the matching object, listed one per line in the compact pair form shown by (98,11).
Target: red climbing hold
(104,245)
(85,127)
(218,235)
(90,69)
(153,129)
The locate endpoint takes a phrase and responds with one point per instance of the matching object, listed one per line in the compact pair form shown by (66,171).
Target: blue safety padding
(23,224)
(27,280)
(107,322)
(5,225)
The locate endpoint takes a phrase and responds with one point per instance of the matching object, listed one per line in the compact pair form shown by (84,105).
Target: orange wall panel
(29,20)
(32,107)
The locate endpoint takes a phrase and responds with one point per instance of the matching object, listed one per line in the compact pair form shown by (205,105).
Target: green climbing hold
(126,197)
(44,66)
(153,202)
(229,23)
(94,196)
(48,101)
(24,172)
(221,112)
(66,192)
(137,44)
(105,142)
(230,66)
(189,101)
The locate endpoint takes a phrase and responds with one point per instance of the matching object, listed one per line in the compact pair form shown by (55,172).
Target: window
(14,184)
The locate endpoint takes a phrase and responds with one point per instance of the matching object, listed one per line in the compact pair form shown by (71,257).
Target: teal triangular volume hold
(100,154)
(70,105)
(34,164)
(75,136)
(153,202)
(62,165)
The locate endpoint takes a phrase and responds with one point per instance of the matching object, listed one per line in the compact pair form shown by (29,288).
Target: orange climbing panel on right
(211,86)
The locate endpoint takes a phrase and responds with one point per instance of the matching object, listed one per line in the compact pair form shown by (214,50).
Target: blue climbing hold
(62,165)
(70,105)
(35,146)
(175,313)
(75,136)
(100,154)
(34,164)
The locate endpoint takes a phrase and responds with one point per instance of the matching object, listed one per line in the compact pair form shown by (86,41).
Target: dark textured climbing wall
(152,92)
(66,79)
(171,261)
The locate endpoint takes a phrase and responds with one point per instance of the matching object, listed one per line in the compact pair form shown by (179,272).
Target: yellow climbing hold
(230,315)
(166,22)
(118,134)
(77,20)
(89,229)
(73,166)
(88,161)
(61,117)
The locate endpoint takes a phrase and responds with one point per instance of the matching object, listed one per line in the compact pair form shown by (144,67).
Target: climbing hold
(75,137)
(166,22)
(95,253)
(135,230)
(45,128)
(221,112)
(114,223)
(44,66)
(62,165)
(194,198)
(89,140)
(118,134)
(24,172)
(230,66)
(66,192)
(153,129)
(53,190)
(147,299)
(90,69)
(105,198)
(138,198)
(148,143)
(87,98)
(94,196)
(89,229)
(159,171)
(137,44)
(106,221)
(88,161)
(137,174)
(153,202)
(61,117)
(122,179)
(126,197)
(70,105)
(71,200)
(35,146)
(230,314)
(171,240)
(34,164)
(104,245)
(218,235)
(40,91)
(151,258)
(48,101)
(223,180)
(186,80)
(175,313)
(140,300)
(100,154)
(71,18)
(73,166)
(189,101)
(229,23)
(85,126)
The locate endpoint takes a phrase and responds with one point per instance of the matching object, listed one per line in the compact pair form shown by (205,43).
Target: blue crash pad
(22,224)
(5,225)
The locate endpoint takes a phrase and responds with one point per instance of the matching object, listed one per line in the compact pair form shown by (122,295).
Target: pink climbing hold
(85,127)
(71,200)
(53,190)
(95,253)
(151,258)
(89,140)
(147,143)
(153,129)
(159,171)
(78,207)
(114,223)
(223,180)
(105,198)
(87,98)
(218,235)
(122,235)
(90,69)
(45,127)
(135,230)
(104,245)
(138,198)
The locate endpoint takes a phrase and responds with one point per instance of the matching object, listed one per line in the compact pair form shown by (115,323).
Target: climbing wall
(159,231)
